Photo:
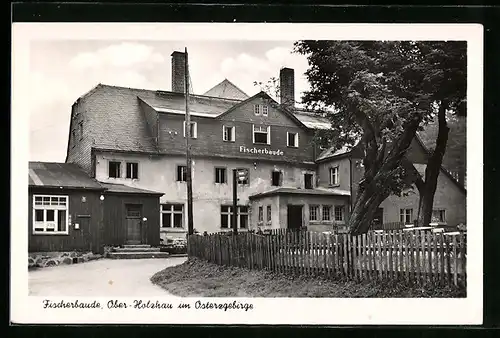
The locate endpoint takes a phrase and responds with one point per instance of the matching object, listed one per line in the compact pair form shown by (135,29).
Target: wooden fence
(421,257)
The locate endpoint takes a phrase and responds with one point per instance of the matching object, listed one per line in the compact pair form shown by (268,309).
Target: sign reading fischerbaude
(264,151)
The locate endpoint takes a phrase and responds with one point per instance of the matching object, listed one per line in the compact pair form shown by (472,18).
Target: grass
(199,278)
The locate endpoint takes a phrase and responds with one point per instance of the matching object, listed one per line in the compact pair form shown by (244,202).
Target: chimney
(178,72)
(287,87)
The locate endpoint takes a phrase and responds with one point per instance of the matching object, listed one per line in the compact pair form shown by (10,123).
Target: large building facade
(136,137)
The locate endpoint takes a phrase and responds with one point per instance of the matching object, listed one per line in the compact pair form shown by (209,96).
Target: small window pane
(178,207)
(166,218)
(243,221)
(50,215)
(46,201)
(61,220)
(38,215)
(178,220)
(224,223)
(243,209)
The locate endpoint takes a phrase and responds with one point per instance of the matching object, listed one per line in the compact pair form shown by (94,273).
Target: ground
(104,277)
(199,278)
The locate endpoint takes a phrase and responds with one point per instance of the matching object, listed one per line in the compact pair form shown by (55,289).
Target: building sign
(264,151)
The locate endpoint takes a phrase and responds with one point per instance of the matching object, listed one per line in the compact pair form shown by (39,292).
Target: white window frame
(260,215)
(195,129)
(403,213)
(120,172)
(269,214)
(334,176)
(225,175)
(259,129)
(295,140)
(229,137)
(229,214)
(329,213)
(438,210)
(264,109)
(172,213)
(316,213)
(256,109)
(342,218)
(55,208)
(126,169)
(177,173)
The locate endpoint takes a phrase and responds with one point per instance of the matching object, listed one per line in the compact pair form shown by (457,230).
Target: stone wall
(46,259)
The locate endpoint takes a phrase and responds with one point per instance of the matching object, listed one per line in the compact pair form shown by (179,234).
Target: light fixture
(144,219)
(101,198)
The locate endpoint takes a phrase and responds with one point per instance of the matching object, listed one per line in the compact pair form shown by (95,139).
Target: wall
(307,200)
(115,230)
(158,173)
(273,201)
(324,172)
(87,214)
(209,134)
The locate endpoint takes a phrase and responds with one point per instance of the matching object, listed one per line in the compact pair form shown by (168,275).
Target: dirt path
(101,278)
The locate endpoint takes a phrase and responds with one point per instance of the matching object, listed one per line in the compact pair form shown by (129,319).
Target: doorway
(294,217)
(133,223)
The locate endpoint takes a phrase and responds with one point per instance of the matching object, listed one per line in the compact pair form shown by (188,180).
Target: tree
(447,84)
(379,94)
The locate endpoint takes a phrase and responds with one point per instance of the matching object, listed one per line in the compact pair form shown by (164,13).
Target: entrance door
(133,223)
(294,217)
(378,219)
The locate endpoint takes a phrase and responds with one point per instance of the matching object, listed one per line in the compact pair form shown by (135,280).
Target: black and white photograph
(247,173)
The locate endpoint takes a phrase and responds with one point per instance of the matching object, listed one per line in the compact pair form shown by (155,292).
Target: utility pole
(187,128)
(234,220)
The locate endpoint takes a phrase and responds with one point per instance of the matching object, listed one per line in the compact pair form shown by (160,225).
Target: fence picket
(441,249)
(463,269)
(455,261)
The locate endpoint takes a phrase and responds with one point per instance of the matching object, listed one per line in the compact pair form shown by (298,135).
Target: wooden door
(133,224)
(294,216)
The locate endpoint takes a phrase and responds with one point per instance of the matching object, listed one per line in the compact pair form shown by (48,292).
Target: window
(172,215)
(193,130)
(226,213)
(80,128)
(261,214)
(326,213)
(181,173)
(313,212)
(268,214)
(245,181)
(260,109)
(339,213)
(293,139)
(438,216)
(220,175)
(406,216)
(132,170)
(308,181)
(50,214)
(334,176)
(228,134)
(276,178)
(262,134)
(115,169)
(243,213)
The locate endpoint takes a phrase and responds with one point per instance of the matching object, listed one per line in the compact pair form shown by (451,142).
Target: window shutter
(184,129)
(269,135)
(253,133)
(195,130)
(297,139)
(233,133)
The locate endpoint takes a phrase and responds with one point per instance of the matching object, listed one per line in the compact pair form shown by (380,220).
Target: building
(136,138)
(69,210)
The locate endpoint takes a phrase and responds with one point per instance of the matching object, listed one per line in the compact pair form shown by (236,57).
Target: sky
(62,71)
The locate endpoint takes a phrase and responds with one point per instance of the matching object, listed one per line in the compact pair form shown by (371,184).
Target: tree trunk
(426,199)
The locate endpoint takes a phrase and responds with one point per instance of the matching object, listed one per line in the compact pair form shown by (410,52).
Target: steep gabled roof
(227,90)
(264,95)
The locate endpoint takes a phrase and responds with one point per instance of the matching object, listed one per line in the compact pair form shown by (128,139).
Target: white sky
(61,71)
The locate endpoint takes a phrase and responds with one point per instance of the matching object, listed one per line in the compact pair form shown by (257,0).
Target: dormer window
(193,131)
(261,134)
(260,109)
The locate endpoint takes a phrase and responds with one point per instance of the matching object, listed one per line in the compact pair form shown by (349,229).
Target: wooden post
(187,128)
(234,216)
(455,261)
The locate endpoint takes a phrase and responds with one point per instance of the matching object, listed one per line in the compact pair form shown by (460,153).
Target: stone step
(137,255)
(147,249)
(136,246)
